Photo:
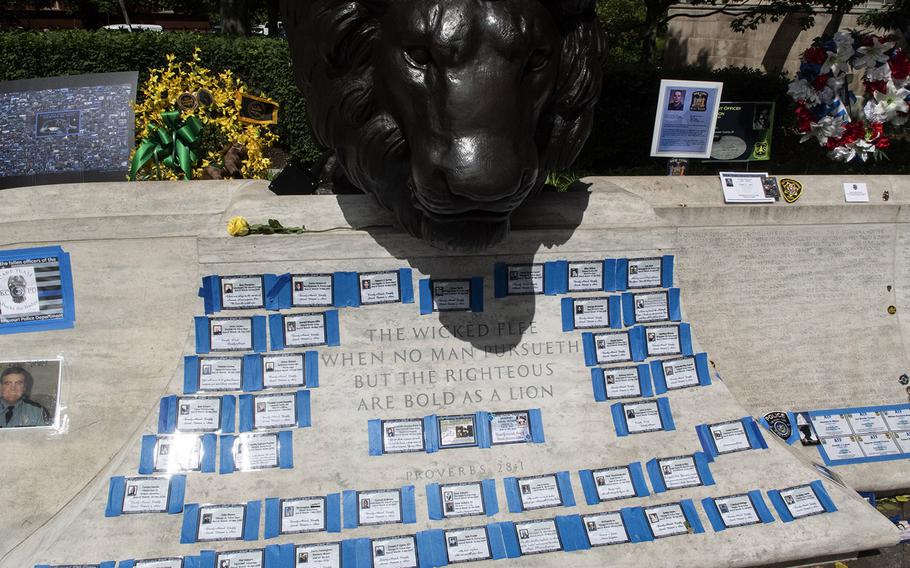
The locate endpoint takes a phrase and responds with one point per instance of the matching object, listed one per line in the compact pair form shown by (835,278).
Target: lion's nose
(483,168)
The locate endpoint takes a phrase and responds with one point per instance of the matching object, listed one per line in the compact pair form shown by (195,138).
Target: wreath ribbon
(173,144)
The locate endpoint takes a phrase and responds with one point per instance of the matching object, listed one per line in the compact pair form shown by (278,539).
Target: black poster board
(743,132)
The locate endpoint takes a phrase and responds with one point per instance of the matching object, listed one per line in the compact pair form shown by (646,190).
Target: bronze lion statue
(450,112)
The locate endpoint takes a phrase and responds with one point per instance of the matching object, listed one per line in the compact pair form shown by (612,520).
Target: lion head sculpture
(450,112)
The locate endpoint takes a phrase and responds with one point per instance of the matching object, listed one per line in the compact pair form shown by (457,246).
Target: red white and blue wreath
(851,127)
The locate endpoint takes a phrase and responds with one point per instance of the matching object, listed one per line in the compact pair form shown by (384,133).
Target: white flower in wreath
(843,38)
(892,102)
(880,73)
(839,61)
(871,113)
(827,127)
(843,153)
(802,90)
(827,95)
(872,55)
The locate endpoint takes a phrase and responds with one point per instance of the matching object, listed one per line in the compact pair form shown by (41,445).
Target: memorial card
(146,494)
(395,552)
(680,373)
(220,522)
(256,451)
(645,272)
(510,427)
(612,347)
(380,507)
(903,441)
(898,420)
(231,334)
(468,544)
(457,431)
(379,288)
(275,411)
(867,422)
(856,193)
(178,453)
(737,510)
(304,330)
(524,279)
(159,563)
(451,295)
(402,436)
(651,307)
(604,529)
(302,515)
(30,393)
(244,292)
(462,500)
(537,537)
(539,492)
(198,414)
(613,483)
(744,187)
(662,340)
(666,520)
(325,555)
(220,373)
(831,425)
(801,501)
(729,437)
(685,119)
(642,416)
(877,445)
(586,275)
(679,472)
(241,559)
(622,382)
(591,313)
(842,448)
(312,290)
(283,371)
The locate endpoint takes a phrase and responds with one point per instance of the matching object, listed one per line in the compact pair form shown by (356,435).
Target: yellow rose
(238,227)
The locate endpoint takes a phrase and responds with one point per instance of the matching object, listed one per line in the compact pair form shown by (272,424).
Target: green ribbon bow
(173,144)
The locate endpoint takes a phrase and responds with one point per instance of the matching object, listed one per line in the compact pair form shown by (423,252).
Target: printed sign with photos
(36,290)
(685,119)
(30,393)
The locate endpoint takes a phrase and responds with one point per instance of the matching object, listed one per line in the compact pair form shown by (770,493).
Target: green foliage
(262,63)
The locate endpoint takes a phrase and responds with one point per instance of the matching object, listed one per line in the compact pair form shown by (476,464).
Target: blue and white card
(36,290)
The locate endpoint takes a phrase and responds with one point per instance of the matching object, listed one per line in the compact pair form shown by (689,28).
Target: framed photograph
(685,119)
(30,392)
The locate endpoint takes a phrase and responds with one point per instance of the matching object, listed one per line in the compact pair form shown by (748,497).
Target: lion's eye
(538,59)
(417,55)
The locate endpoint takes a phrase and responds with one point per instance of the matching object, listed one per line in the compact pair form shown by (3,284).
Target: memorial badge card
(395,552)
(538,537)
(36,290)
(468,544)
(685,119)
(312,290)
(604,529)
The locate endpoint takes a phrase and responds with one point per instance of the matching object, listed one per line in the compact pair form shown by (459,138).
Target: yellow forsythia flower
(238,227)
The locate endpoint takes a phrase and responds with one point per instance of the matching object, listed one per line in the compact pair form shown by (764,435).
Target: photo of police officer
(17,408)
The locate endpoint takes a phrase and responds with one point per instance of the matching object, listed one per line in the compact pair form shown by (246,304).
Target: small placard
(680,373)
(245,292)
(539,492)
(642,416)
(302,515)
(402,436)
(842,447)
(395,552)
(283,371)
(679,472)
(744,187)
(462,500)
(645,272)
(231,334)
(856,192)
(379,507)
(662,340)
(198,414)
(457,431)
(159,563)
(178,453)
(312,290)
(591,313)
(867,422)
(831,425)
(325,555)
(379,288)
(667,520)
(146,494)
(877,445)
(220,522)
(898,419)
(737,510)
(729,437)
(585,275)
(613,483)
(537,537)
(274,411)
(801,501)
(468,544)
(612,347)
(256,451)
(304,330)
(524,279)
(604,529)
(220,373)
(451,295)
(622,382)
(241,559)
(651,306)
(510,427)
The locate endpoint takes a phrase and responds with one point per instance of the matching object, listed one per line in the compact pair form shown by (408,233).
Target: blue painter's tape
(228,407)
(710,507)
(761,508)
(657,480)
(685,338)
(567,306)
(490,501)
(701,368)
(332,334)
(333,513)
(426,296)
(207,558)
(666,273)
(227,465)
(587,341)
(777,501)
(688,508)
(610,275)
(666,417)
(500,280)
(286,555)
(484,430)
(190,374)
(260,344)
(657,375)
(406,282)
(374,431)
(564,481)
(673,304)
(571,531)
(115,492)
(277,291)
(621,274)
(251,520)
(350,518)
(431,548)
(619,419)
(597,382)
(477,294)
(644,380)
(636,525)
(434,501)
(176,495)
(209,442)
(701,464)
(509,539)
(311,364)
(360,551)
(190,522)
(251,369)
(210,300)
(494,537)
(272,518)
(246,413)
(276,331)
(753,432)
(637,344)
(272,556)
(536,424)
(128,563)
(615,312)
(304,415)
(408,508)
(167,415)
(823,497)
(346,287)
(286,449)
(707,442)
(203,341)
(555,277)
(638,479)
(628,309)
(513,497)
(431,433)
(589,488)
